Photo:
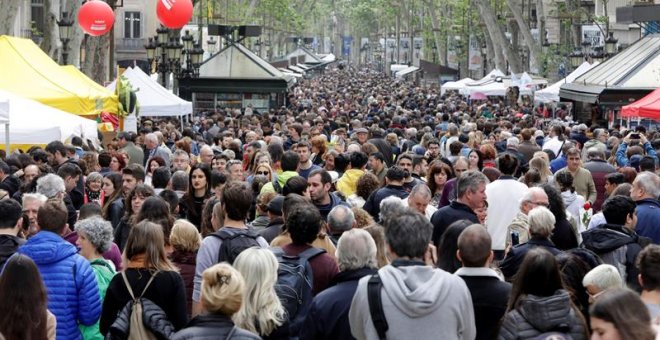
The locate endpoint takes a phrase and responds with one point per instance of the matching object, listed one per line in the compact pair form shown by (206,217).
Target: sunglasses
(265,173)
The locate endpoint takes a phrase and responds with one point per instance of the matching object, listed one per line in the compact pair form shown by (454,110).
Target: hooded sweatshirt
(8,246)
(535,315)
(419,302)
(347,184)
(573,202)
(281,179)
(73,294)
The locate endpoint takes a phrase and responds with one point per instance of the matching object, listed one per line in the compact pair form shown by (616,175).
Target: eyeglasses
(265,173)
(543,204)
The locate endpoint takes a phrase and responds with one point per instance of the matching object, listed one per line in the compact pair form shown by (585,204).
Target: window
(132,25)
(37,16)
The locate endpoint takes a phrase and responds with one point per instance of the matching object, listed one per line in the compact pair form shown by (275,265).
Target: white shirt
(503,197)
(429,208)
(553,144)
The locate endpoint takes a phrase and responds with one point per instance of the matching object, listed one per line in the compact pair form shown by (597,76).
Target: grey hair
(421,189)
(470,180)
(408,234)
(649,182)
(180,152)
(179,181)
(597,132)
(50,185)
(530,193)
(390,206)
(94,177)
(595,153)
(513,142)
(98,231)
(341,218)
(356,249)
(541,222)
(34,197)
(604,277)
(152,137)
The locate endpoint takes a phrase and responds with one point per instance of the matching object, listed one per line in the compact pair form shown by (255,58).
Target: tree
(8,16)
(532,45)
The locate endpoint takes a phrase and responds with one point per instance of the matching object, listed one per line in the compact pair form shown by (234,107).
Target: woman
(573,267)
(91,160)
(221,297)
(94,239)
(154,163)
(475,160)
(157,210)
(297,185)
(366,184)
(460,165)
(319,149)
(329,160)
(564,235)
(539,303)
(393,140)
(93,189)
(199,190)
(185,241)
(24,301)
(377,232)
(112,184)
(448,246)
(439,174)
(262,170)
(489,154)
(117,162)
(619,314)
(541,165)
(132,205)
(261,311)
(571,199)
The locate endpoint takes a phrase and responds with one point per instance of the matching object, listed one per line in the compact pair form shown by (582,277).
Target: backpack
(140,319)
(234,242)
(376,311)
(277,187)
(295,281)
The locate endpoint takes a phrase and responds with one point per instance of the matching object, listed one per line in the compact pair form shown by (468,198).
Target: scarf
(136,262)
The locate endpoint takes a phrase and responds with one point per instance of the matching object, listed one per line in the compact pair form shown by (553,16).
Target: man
(645,192)
(52,186)
(612,181)
(132,175)
(347,184)
(179,183)
(289,163)
(362,135)
(57,156)
(383,147)
(235,170)
(320,183)
(599,142)
(105,158)
(127,144)
(70,173)
(160,178)
(616,242)
(414,297)
(446,141)
(73,294)
(31,204)
(275,221)
(579,134)
(533,198)
(527,147)
(8,182)
(501,194)
(219,162)
(394,187)
(433,150)
(419,200)
(561,160)
(235,207)
(180,161)
(206,155)
(420,168)
(295,130)
(471,194)
(328,314)
(582,180)
(30,172)
(648,262)
(152,145)
(512,149)
(305,166)
(490,294)
(377,166)
(599,169)
(11,222)
(340,220)
(405,161)
(555,140)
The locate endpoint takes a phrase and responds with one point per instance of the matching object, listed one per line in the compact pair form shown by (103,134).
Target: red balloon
(174,13)
(96,18)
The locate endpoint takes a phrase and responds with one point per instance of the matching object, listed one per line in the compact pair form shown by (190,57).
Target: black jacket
(619,247)
(273,229)
(372,205)
(328,315)
(563,236)
(516,255)
(449,214)
(11,184)
(213,327)
(490,297)
(8,246)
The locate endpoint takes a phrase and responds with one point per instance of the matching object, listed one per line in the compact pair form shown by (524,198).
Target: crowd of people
(366,208)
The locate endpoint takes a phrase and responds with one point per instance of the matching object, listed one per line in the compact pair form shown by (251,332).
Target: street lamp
(179,57)
(586,48)
(65,25)
(211,44)
(545,46)
(576,58)
(610,44)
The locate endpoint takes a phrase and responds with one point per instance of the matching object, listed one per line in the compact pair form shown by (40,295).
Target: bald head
(474,246)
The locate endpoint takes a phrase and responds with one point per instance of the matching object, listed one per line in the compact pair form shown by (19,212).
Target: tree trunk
(500,44)
(77,35)
(435,25)
(96,62)
(533,46)
(51,43)
(8,16)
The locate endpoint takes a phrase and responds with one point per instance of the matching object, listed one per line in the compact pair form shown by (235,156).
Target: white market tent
(406,71)
(36,123)
(154,99)
(4,118)
(551,93)
(455,85)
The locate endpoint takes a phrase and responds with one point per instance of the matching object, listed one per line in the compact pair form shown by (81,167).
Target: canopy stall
(34,123)
(551,93)
(154,99)
(647,107)
(406,71)
(455,85)
(4,119)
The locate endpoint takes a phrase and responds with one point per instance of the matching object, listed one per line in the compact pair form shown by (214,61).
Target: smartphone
(515,239)
(634,136)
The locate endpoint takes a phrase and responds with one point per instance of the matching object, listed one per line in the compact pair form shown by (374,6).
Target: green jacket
(104,274)
(281,179)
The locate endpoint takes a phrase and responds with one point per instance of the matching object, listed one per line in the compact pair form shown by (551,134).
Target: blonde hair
(184,236)
(262,311)
(222,289)
(542,166)
(378,234)
(147,238)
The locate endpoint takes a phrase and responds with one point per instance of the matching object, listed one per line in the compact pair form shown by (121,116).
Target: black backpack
(234,242)
(376,311)
(295,281)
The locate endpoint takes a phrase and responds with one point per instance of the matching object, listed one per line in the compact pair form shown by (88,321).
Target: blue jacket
(558,163)
(328,315)
(73,295)
(622,160)
(648,214)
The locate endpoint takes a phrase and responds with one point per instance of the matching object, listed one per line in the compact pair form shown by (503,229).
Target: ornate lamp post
(576,58)
(179,57)
(65,25)
(610,44)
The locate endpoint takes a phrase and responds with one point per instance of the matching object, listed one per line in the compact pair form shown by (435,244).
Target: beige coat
(583,183)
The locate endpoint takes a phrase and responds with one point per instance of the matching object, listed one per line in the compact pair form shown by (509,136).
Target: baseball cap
(275,205)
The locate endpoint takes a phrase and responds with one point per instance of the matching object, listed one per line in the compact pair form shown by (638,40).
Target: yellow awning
(29,72)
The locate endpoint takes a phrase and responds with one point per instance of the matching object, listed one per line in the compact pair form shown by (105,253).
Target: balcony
(130,44)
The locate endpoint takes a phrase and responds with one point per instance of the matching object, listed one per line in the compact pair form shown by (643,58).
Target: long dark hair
(437,167)
(207,173)
(538,275)
(157,210)
(557,206)
(625,309)
(115,178)
(448,246)
(141,189)
(24,300)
